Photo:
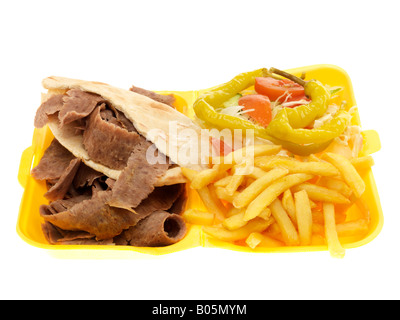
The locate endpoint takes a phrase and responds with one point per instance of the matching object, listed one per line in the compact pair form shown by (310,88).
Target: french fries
(289,206)
(257,173)
(303,217)
(240,155)
(204,178)
(234,222)
(270,242)
(265,198)
(351,228)
(254,189)
(348,172)
(223,182)
(318,193)
(294,166)
(235,182)
(336,184)
(289,233)
(189,173)
(265,214)
(254,239)
(335,248)
(275,200)
(207,195)
(193,216)
(219,232)
(362,163)
(222,194)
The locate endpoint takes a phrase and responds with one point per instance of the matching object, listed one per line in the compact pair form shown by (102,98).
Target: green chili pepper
(289,124)
(281,128)
(205,106)
(304,115)
(217,96)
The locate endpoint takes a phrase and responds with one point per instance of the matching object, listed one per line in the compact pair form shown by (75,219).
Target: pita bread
(151,119)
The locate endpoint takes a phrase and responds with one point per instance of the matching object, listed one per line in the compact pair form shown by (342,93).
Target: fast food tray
(29,220)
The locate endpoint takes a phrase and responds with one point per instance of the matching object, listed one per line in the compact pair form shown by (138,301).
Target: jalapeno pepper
(289,124)
(304,115)
(205,106)
(224,92)
(281,128)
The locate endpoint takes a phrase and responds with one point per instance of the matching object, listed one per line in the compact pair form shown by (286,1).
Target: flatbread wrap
(110,167)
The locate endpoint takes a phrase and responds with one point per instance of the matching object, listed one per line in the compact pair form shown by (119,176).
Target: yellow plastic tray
(29,220)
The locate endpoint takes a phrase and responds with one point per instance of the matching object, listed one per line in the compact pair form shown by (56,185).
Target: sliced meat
(77,105)
(55,235)
(49,107)
(179,205)
(54,162)
(87,207)
(58,167)
(110,183)
(117,118)
(99,185)
(92,241)
(85,176)
(161,228)
(61,205)
(162,198)
(167,99)
(95,217)
(63,184)
(124,121)
(137,180)
(51,233)
(106,143)
(109,116)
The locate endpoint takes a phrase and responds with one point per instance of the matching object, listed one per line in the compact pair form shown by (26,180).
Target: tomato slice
(258,107)
(220,147)
(285,89)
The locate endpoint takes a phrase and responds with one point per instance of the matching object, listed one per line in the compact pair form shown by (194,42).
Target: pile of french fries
(258,198)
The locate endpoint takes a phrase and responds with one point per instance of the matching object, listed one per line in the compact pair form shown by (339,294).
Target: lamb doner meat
(85,206)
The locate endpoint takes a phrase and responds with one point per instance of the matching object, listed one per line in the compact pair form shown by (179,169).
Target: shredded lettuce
(235,111)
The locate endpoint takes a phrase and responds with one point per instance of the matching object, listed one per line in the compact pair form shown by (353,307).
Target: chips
(272,200)
(335,248)
(219,232)
(288,205)
(348,172)
(319,193)
(204,178)
(235,182)
(303,217)
(289,233)
(234,222)
(209,198)
(259,185)
(362,163)
(264,199)
(254,239)
(198,217)
(310,167)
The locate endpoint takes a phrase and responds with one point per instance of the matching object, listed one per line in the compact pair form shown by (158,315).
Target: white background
(186,45)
